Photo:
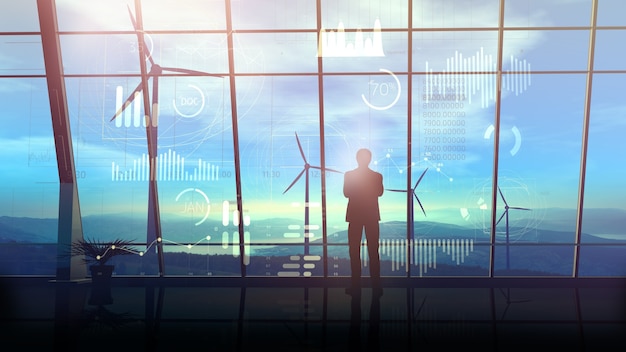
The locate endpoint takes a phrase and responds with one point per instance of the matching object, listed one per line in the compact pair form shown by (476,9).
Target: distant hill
(554,257)
(109,227)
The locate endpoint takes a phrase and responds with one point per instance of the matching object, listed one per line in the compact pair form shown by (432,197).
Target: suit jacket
(362,187)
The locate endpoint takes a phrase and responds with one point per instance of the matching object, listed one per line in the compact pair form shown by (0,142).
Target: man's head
(363,157)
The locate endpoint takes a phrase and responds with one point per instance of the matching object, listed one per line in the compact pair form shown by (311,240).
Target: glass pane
(118,54)
(281,194)
(548,50)
(274,14)
(355,14)
(539,165)
(366,111)
(19,16)
(608,54)
(604,214)
(546,13)
(603,260)
(21,55)
(455,13)
(95,15)
(610,13)
(275,52)
(29,179)
(188,15)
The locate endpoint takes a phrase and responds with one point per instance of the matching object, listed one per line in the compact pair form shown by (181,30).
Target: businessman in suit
(363,186)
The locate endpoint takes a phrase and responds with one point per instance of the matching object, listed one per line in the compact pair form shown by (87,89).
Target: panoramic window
(216,135)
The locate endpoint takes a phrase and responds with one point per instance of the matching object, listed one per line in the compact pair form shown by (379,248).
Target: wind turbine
(305,171)
(505,215)
(411,206)
(151,121)
(510,301)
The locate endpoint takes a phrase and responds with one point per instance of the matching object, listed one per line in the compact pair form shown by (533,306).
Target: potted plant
(97,254)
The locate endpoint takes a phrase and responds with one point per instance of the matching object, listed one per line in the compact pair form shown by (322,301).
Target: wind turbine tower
(305,172)
(505,215)
(151,112)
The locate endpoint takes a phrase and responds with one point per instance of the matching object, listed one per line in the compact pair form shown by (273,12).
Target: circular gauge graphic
(196,203)
(516,135)
(519,210)
(383,91)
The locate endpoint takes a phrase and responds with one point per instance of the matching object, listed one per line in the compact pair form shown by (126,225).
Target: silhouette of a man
(362,186)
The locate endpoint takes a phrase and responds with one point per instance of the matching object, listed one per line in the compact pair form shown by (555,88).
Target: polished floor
(309,314)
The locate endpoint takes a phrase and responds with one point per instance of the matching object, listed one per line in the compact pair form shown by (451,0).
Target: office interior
(201,146)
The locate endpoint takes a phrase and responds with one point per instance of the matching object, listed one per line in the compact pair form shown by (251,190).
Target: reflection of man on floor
(362,186)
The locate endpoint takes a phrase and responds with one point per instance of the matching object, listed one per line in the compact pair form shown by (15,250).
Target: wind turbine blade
(420,203)
(501,216)
(519,208)
(295,180)
(190,72)
(300,147)
(333,170)
(502,195)
(505,309)
(128,101)
(324,169)
(146,51)
(418,180)
(395,190)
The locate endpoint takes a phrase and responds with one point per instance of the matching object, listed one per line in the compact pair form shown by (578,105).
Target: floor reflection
(157,317)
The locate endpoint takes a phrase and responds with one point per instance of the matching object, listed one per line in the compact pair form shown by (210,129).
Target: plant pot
(101,284)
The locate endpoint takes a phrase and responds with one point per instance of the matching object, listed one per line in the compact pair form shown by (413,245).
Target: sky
(365,104)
